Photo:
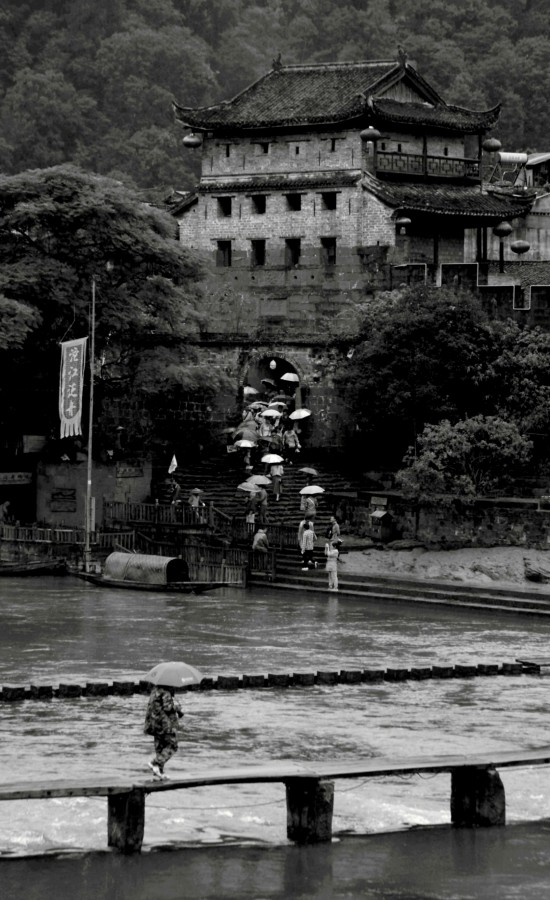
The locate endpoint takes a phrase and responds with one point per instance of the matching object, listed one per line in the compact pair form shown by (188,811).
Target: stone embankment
(493,579)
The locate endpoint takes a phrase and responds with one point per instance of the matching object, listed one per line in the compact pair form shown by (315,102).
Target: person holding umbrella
(196,504)
(291,444)
(308,546)
(163,712)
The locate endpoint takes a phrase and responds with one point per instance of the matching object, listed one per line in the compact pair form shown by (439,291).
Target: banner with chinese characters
(73,359)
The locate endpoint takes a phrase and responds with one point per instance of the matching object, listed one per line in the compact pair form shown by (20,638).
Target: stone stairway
(219,476)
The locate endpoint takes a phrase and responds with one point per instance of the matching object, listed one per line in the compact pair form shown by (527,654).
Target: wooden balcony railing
(420,165)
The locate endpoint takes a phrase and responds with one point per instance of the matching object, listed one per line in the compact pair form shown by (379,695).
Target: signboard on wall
(63,500)
(129,472)
(11,479)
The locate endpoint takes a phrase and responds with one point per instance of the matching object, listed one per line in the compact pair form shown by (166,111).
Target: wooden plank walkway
(477,793)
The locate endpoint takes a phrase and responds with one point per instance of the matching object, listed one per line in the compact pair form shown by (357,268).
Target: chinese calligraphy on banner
(73,359)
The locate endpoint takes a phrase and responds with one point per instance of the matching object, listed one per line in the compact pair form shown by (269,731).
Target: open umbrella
(290,376)
(307,470)
(247,486)
(269,382)
(245,444)
(272,458)
(312,489)
(173,674)
(302,413)
(283,397)
(275,403)
(249,391)
(257,404)
(259,479)
(196,491)
(271,413)
(245,434)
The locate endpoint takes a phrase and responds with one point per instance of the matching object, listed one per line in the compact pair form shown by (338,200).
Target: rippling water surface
(62,630)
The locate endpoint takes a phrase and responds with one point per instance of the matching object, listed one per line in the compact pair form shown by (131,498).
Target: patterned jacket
(162,712)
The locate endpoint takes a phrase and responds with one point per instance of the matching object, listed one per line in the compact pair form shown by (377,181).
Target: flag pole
(88,526)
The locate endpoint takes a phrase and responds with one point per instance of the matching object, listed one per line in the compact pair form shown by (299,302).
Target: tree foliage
(469,458)
(92,83)
(423,358)
(60,231)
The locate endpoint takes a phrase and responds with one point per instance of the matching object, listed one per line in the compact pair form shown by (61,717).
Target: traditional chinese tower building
(322,184)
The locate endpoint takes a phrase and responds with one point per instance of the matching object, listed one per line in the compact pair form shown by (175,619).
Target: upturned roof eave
(485,119)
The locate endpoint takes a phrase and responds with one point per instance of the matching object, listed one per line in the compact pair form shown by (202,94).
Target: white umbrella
(243,443)
(249,391)
(272,458)
(271,413)
(173,674)
(302,413)
(259,479)
(277,403)
(290,376)
(312,489)
(247,486)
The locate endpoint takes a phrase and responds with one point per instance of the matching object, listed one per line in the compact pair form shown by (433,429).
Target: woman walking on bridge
(161,719)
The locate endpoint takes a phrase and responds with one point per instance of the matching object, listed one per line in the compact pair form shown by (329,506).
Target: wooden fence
(31,534)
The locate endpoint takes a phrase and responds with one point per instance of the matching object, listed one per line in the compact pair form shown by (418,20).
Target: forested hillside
(92,81)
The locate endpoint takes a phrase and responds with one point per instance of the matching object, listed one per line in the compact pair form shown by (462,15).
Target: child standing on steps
(331,566)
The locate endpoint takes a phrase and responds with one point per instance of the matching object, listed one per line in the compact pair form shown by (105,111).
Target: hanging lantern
(192,140)
(503,229)
(520,247)
(491,145)
(272,365)
(370,134)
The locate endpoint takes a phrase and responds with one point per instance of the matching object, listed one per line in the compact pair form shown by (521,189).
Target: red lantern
(491,145)
(520,247)
(192,140)
(503,229)
(370,134)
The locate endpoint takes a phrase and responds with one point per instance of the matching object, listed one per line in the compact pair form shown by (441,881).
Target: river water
(63,630)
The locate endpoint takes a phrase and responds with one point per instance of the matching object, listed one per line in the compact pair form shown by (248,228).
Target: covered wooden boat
(34,567)
(142,572)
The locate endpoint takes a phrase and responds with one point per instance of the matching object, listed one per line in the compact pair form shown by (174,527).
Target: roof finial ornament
(277,64)
(402,56)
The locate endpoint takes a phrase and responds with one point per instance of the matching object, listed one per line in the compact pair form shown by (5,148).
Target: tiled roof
(296,95)
(181,200)
(439,116)
(447,199)
(292,182)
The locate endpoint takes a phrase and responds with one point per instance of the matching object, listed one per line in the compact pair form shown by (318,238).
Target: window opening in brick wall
(258,204)
(445,151)
(263,147)
(399,149)
(328,251)
(293,250)
(224,207)
(257,253)
(294,202)
(333,145)
(329,199)
(228,149)
(223,254)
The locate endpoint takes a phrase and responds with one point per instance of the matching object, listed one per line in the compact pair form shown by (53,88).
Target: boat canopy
(145,569)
